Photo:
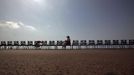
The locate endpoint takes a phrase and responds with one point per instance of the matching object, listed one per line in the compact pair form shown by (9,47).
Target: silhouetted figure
(67,42)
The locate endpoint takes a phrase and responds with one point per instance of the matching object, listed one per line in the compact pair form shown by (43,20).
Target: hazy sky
(54,19)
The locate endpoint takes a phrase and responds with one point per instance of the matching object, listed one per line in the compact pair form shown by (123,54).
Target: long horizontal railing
(76,44)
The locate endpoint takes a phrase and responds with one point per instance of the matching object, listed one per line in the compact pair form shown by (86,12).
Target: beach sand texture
(67,62)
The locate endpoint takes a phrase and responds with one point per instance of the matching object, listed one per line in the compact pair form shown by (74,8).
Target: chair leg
(72,47)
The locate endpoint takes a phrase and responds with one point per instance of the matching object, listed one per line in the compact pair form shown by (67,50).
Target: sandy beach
(67,62)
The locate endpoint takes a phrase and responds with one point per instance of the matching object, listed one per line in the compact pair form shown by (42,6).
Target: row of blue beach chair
(75,44)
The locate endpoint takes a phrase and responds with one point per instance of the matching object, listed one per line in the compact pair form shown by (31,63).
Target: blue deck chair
(91,43)
(76,44)
(59,44)
(9,45)
(51,44)
(99,44)
(23,44)
(83,43)
(123,43)
(3,45)
(16,44)
(115,44)
(107,43)
(44,45)
(131,43)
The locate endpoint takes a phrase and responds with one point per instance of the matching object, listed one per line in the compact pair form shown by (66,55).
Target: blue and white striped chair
(16,44)
(10,44)
(23,44)
(76,44)
(115,44)
(108,44)
(44,45)
(123,43)
(30,44)
(51,44)
(59,43)
(83,43)
(131,43)
(91,43)
(99,44)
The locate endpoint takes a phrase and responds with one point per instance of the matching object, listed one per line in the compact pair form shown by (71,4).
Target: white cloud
(16,25)
(30,27)
(9,24)
(12,25)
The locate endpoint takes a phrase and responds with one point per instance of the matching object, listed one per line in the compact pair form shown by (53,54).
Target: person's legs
(64,44)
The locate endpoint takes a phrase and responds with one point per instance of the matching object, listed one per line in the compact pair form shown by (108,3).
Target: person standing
(67,42)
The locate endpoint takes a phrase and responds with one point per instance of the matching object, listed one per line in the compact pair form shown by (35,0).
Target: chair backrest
(75,43)
(44,43)
(83,42)
(59,43)
(123,42)
(91,42)
(16,43)
(131,42)
(37,43)
(9,43)
(51,43)
(107,42)
(23,43)
(115,42)
(30,43)
(3,43)
(99,42)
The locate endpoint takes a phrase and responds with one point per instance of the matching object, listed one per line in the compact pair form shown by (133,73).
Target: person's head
(68,37)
